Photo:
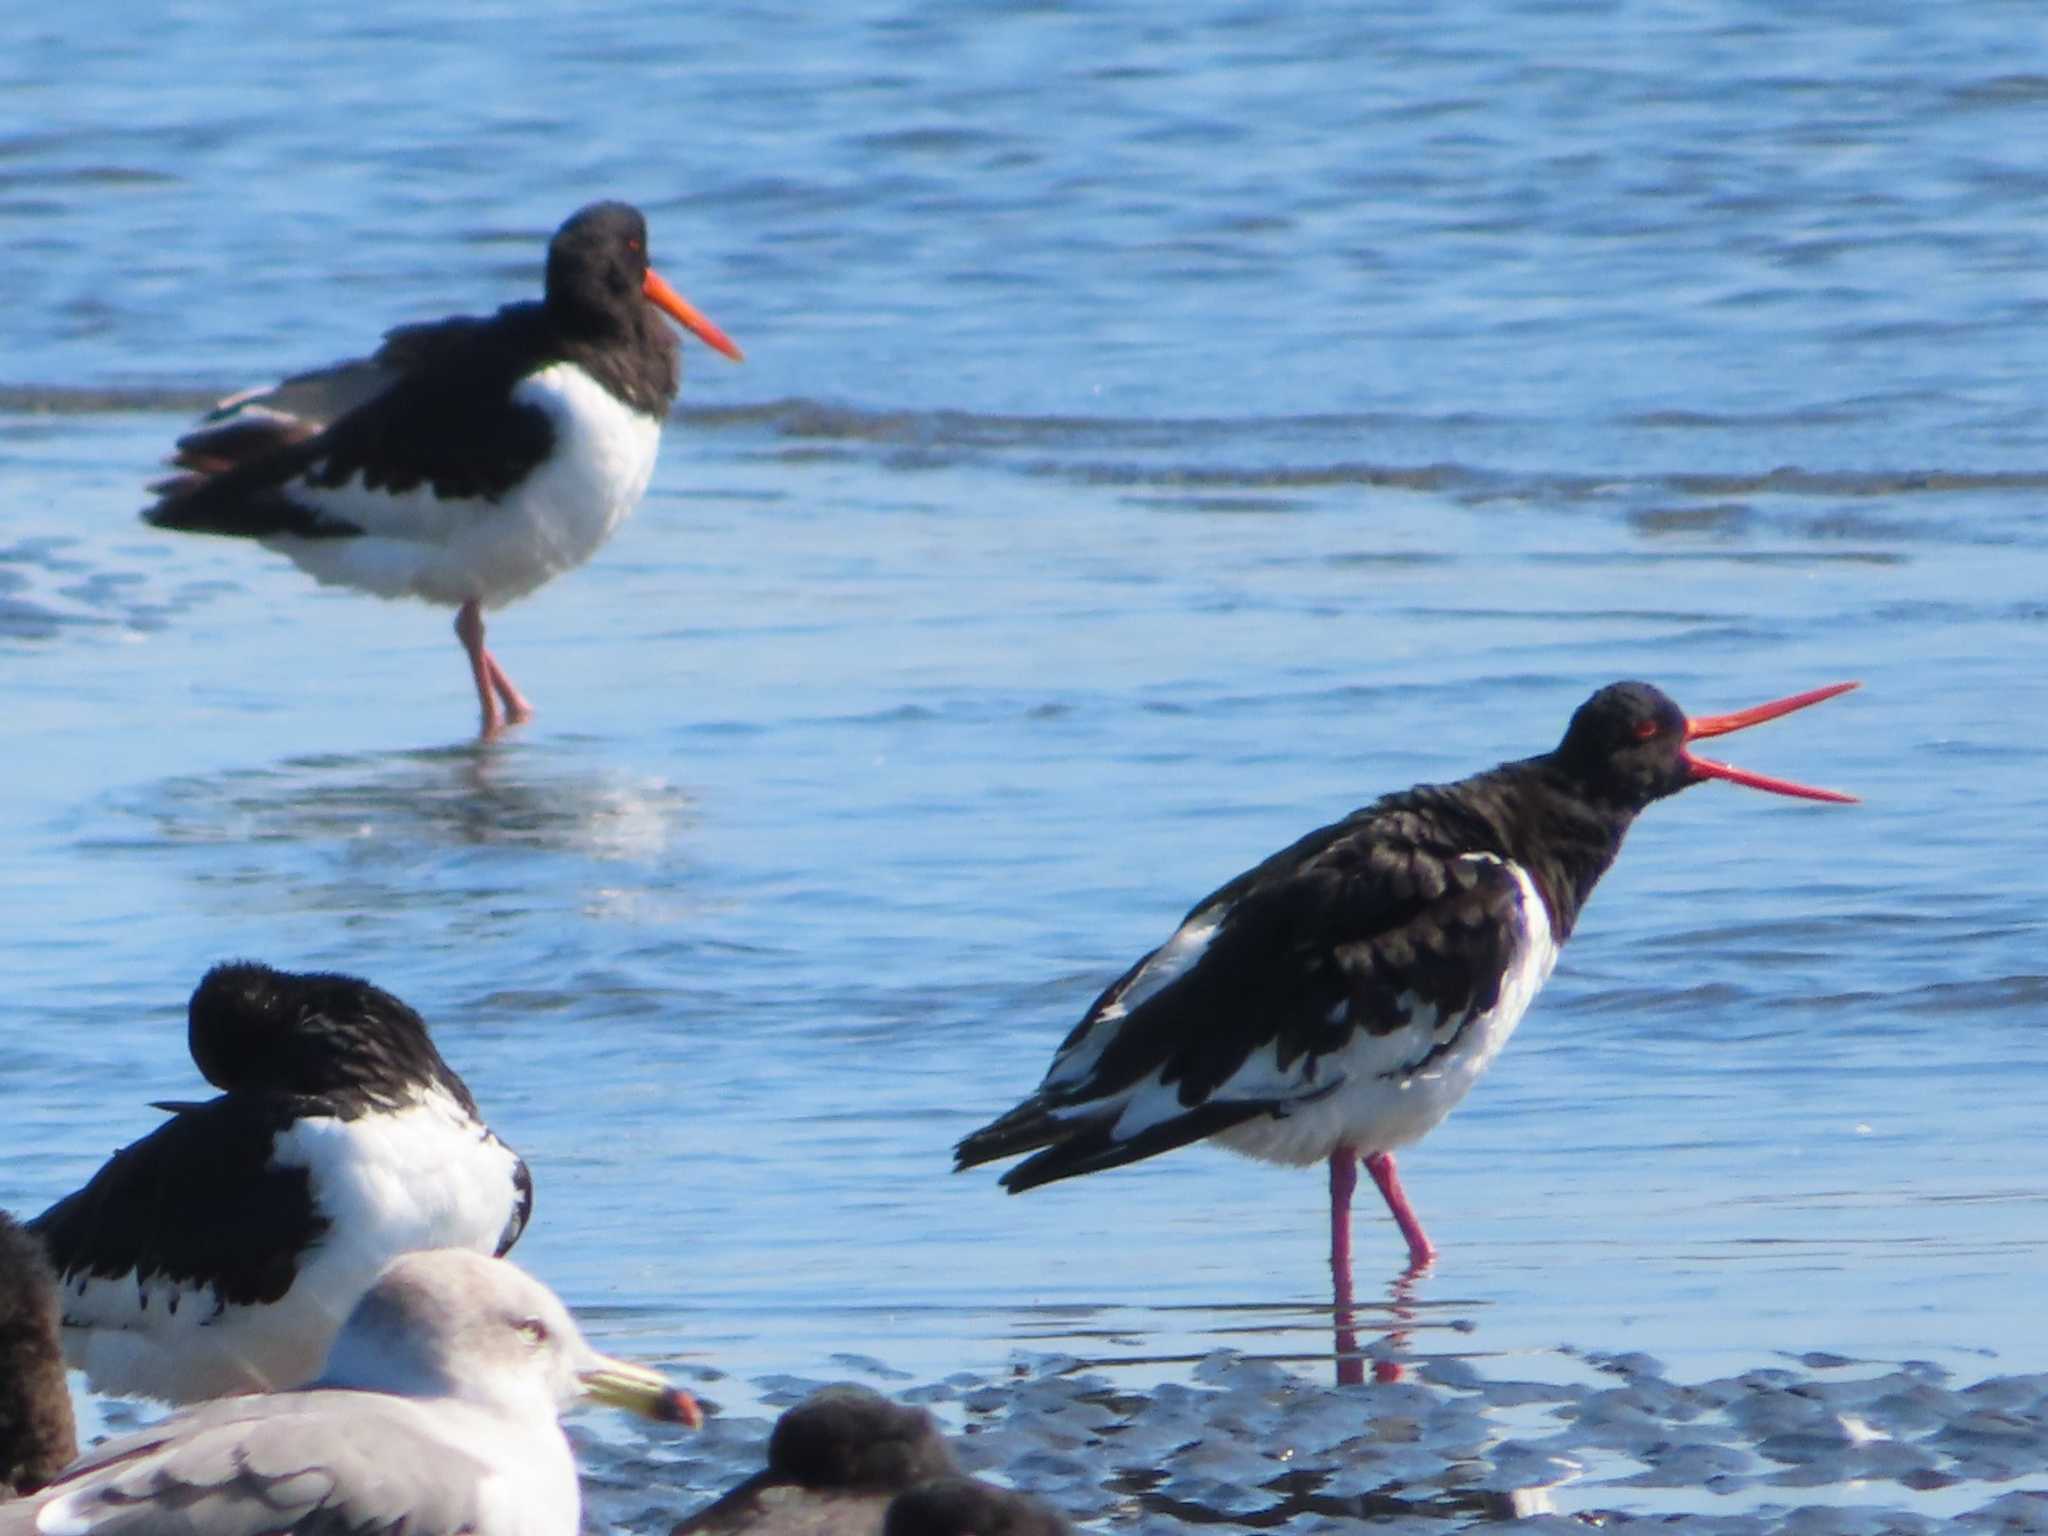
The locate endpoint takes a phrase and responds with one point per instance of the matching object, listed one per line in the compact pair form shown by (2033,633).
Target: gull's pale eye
(534,1331)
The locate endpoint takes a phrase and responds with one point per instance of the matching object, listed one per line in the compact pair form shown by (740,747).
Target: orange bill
(687,315)
(1742,719)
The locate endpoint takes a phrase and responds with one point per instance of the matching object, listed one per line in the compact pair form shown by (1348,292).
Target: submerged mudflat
(1822,1444)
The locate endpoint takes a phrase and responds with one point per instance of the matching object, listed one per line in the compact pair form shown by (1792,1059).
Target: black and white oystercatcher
(220,1252)
(471,459)
(1337,1001)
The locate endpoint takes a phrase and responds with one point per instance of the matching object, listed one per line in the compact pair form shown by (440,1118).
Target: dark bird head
(1628,745)
(255,1028)
(849,1437)
(598,269)
(963,1506)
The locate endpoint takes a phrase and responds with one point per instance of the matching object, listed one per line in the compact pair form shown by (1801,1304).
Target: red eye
(1645,729)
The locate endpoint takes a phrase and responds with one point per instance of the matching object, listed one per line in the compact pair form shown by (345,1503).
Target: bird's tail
(1026,1128)
(251,429)
(1066,1147)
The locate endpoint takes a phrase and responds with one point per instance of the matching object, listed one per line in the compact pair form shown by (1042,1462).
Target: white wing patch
(457,549)
(1171,961)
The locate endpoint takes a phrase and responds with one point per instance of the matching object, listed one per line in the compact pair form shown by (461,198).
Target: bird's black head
(849,1437)
(965,1506)
(1627,746)
(597,264)
(255,1028)
(599,282)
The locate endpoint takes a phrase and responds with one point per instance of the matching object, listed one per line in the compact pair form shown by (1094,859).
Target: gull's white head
(450,1323)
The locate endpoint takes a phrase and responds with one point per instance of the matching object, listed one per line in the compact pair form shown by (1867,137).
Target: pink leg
(491,682)
(1421,1254)
(1343,1180)
(517,710)
(469,629)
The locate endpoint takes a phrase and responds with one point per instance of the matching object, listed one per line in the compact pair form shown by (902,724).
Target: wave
(1068,447)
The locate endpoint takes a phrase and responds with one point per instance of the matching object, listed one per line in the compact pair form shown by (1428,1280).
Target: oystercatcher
(469,460)
(437,1414)
(220,1252)
(1337,1001)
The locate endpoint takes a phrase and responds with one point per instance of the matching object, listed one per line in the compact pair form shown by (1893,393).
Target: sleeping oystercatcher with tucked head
(220,1252)
(1337,1001)
(471,459)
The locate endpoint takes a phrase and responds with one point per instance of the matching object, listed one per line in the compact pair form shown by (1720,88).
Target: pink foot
(1421,1252)
(517,710)
(491,682)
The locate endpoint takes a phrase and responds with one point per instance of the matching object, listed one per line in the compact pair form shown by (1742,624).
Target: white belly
(458,550)
(1397,1087)
(426,1177)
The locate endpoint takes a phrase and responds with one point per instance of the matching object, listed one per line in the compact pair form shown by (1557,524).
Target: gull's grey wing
(313,1463)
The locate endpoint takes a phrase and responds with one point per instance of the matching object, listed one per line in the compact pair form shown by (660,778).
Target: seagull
(1337,1001)
(436,1415)
(470,459)
(220,1252)
(37,1432)
(834,1462)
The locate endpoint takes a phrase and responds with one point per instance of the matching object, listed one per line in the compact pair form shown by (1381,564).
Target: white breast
(457,549)
(425,1177)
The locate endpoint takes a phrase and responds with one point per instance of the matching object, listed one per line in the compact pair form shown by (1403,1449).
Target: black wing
(434,407)
(197,1201)
(1336,936)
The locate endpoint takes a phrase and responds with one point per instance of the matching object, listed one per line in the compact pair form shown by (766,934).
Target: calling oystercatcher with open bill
(471,459)
(1338,1001)
(220,1252)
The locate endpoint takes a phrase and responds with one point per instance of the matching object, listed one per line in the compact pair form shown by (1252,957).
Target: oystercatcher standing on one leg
(1338,1001)
(471,459)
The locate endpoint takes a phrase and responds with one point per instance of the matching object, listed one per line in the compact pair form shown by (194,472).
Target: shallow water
(1156,439)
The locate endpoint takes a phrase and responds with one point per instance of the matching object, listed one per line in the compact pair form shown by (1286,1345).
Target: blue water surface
(1163,430)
